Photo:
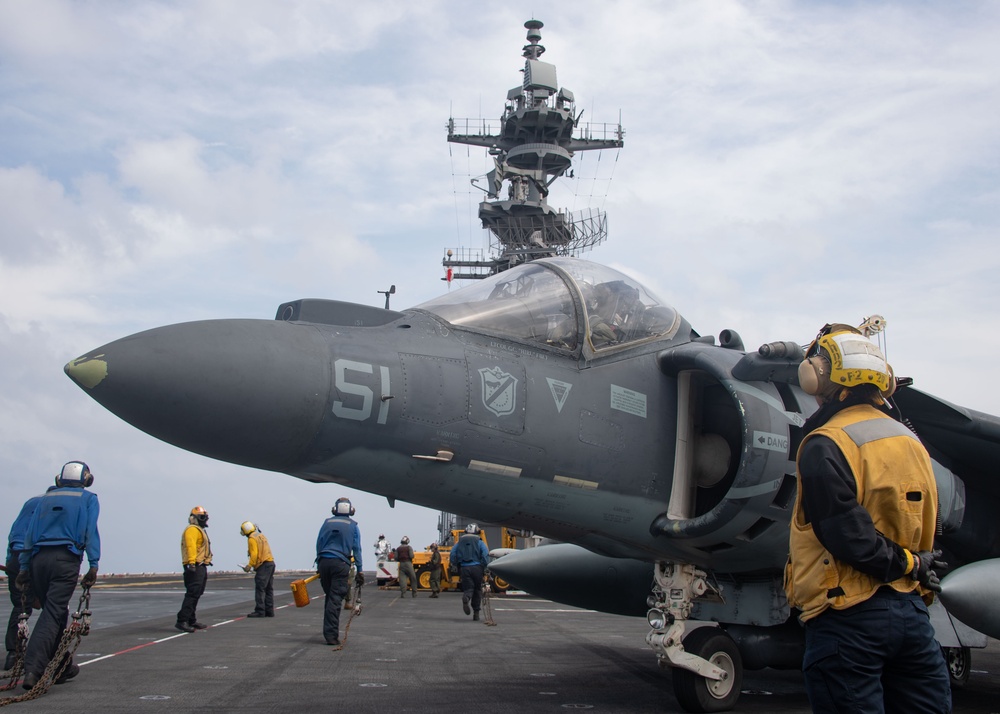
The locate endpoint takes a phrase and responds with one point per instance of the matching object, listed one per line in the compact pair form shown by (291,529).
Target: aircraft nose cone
(251,392)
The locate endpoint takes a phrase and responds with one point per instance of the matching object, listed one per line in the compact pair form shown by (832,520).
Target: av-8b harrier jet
(563,397)
(559,396)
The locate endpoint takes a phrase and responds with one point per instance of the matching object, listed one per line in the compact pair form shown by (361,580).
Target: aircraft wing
(966,441)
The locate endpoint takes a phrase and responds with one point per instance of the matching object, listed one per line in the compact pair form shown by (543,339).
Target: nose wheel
(699,694)
(959,661)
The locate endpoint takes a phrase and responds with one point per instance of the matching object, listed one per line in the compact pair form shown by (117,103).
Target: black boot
(71,671)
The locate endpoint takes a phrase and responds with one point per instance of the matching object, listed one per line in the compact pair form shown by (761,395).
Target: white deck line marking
(540,609)
(133,649)
(174,637)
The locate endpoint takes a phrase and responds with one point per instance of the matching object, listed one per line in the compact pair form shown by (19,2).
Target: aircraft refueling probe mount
(676,586)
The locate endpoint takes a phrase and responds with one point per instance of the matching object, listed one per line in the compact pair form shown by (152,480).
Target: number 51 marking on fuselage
(344,386)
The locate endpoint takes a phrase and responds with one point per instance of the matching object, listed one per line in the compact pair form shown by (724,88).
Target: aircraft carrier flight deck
(401,655)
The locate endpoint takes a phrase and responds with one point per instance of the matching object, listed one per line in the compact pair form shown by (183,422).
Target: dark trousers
(436,579)
(54,570)
(877,656)
(194,588)
(333,575)
(472,585)
(263,581)
(13,568)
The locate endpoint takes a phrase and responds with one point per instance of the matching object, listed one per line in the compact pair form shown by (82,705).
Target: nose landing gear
(706,663)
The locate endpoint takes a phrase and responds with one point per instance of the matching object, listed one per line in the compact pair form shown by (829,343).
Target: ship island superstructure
(532,146)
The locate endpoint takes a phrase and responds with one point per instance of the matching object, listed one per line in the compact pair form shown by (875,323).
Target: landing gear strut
(707,667)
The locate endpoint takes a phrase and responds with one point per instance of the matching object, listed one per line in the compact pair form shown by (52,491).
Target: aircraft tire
(696,693)
(959,661)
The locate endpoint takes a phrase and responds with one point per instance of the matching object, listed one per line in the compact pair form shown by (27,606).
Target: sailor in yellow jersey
(196,555)
(861,559)
(262,562)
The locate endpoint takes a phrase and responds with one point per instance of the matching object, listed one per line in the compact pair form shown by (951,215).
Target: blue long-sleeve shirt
(470,550)
(15,540)
(339,537)
(64,516)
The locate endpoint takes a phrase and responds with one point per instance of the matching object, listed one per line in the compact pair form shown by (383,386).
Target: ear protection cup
(892,383)
(811,374)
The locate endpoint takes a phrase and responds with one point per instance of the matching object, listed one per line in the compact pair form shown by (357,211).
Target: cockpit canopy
(559,302)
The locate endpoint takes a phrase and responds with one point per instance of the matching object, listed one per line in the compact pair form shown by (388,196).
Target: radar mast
(532,146)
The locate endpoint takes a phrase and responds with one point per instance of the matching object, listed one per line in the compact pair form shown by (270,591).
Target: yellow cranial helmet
(841,356)
(247,528)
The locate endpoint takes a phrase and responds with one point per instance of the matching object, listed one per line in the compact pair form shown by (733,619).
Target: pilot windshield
(529,302)
(535,302)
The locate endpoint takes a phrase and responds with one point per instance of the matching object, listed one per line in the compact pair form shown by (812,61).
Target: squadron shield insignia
(499,391)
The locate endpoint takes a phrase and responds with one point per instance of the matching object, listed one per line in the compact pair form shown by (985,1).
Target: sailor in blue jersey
(471,556)
(15,544)
(62,528)
(339,539)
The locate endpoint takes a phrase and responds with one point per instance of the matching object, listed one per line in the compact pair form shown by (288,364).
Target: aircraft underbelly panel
(490,453)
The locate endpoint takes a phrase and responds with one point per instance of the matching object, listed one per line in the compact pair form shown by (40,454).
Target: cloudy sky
(786,164)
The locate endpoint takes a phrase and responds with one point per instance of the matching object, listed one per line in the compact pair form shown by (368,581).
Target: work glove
(190,567)
(23,580)
(247,568)
(923,569)
(90,577)
(359,578)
